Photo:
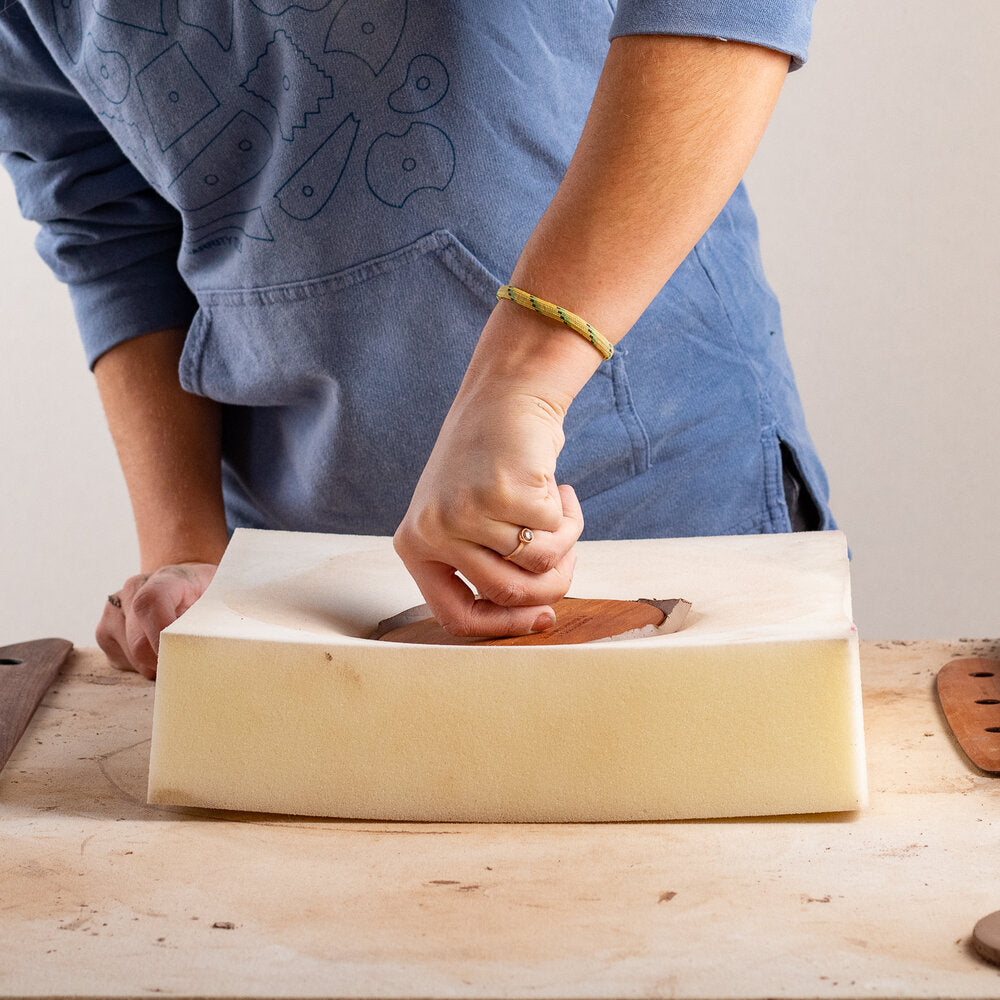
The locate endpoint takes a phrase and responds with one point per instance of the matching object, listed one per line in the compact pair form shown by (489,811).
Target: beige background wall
(876,190)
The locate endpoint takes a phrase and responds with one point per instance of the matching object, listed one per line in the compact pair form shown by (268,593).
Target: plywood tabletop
(104,896)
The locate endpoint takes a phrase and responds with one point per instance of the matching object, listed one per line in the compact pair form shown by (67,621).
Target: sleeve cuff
(143,297)
(784,25)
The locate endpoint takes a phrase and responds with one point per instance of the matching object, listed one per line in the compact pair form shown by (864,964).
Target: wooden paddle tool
(26,671)
(969,692)
(578,619)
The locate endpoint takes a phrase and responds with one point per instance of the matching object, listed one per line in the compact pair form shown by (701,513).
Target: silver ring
(524,536)
(114,600)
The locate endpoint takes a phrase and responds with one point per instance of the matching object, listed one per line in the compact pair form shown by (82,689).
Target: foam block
(270,697)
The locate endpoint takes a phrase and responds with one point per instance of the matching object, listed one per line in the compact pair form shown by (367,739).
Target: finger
(195,578)
(110,636)
(456,609)
(498,580)
(157,604)
(547,548)
(137,659)
(140,653)
(505,583)
(571,504)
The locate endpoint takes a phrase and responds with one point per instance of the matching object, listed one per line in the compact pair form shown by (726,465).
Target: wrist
(171,541)
(520,351)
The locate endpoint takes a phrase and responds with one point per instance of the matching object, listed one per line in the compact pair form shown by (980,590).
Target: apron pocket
(339,385)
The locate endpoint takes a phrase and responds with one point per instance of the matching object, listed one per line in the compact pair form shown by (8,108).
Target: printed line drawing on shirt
(235,156)
(214,242)
(124,139)
(66,14)
(368,29)
(108,70)
(275,8)
(290,82)
(216,18)
(425,85)
(251,224)
(146,15)
(175,95)
(235,203)
(307,191)
(398,166)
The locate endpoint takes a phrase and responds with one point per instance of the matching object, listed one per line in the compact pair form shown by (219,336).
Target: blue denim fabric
(342,186)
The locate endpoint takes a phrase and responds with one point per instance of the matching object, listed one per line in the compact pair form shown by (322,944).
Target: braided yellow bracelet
(574,322)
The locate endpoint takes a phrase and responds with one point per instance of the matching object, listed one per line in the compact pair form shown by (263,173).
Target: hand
(129,629)
(492,472)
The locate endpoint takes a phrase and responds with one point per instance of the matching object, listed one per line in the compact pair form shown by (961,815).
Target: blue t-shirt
(328,194)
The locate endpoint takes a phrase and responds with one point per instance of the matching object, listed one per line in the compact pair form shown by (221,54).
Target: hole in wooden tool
(993,729)
(988,701)
(982,673)
(7,662)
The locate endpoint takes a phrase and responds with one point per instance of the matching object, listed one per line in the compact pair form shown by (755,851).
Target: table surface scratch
(102,895)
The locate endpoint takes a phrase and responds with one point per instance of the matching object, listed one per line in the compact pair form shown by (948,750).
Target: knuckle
(558,584)
(144,601)
(164,576)
(138,646)
(105,642)
(422,530)
(457,623)
(508,594)
(401,540)
(500,500)
(544,560)
(549,588)
(459,508)
(110,648)
(133,583)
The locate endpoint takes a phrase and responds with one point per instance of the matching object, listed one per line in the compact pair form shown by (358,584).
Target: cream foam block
(269,697)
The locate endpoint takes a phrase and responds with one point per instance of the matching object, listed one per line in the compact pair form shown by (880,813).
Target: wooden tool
(26,671)
(578,619)
(969,692)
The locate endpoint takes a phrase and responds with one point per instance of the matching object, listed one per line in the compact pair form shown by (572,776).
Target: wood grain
(26,671)
(969,692)
(578,619)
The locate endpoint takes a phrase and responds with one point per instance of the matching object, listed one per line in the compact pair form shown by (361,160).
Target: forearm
(168,444)
(672,128)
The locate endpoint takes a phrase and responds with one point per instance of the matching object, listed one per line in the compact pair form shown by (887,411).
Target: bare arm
(672,128)
(168,444)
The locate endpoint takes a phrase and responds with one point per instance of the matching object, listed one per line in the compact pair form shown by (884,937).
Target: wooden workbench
(104,896)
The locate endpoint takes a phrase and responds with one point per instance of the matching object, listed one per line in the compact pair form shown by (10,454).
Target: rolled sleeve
(784,25)
(104,231)
(141,297)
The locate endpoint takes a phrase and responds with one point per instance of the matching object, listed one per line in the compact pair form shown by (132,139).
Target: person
(284,223)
